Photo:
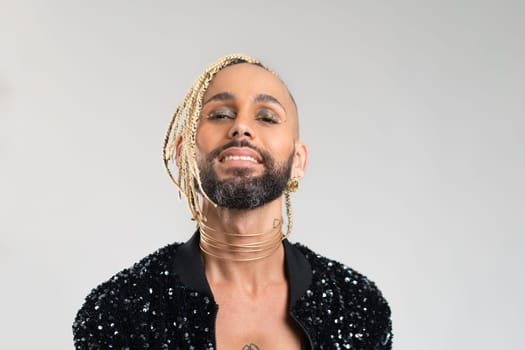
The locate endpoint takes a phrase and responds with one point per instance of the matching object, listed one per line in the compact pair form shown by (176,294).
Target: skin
(246,102)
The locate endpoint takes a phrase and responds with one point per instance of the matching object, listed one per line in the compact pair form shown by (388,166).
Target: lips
(240,154)
(248,158)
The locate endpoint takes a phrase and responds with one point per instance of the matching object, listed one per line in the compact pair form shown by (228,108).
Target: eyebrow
(260,98)
(263,98)
(221,96)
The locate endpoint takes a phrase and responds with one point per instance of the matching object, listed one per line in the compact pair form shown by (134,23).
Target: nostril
(240,130)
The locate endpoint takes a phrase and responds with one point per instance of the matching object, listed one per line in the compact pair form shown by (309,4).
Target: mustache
(236,143)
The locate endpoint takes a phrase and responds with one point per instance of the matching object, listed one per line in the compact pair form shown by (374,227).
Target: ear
(178,144)
(300,160)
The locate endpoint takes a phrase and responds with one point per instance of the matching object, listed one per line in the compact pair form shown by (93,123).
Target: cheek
(279,145)
(205,137)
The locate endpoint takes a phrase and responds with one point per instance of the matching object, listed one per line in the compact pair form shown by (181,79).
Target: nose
(241,128)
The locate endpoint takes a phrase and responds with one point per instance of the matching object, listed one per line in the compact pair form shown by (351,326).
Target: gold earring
(293,184)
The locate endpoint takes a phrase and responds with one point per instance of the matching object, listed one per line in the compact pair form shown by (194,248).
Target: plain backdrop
(413,112)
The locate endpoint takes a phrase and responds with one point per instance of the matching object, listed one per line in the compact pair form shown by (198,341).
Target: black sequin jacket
(165,302)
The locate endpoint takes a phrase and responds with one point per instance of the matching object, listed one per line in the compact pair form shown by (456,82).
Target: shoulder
(124,302)
(347,302)
(347,281)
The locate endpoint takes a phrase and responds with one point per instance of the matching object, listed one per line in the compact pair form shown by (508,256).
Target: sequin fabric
(148,307)
(342,309)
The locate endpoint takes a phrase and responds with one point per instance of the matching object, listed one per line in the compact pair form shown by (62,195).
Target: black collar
(188,266)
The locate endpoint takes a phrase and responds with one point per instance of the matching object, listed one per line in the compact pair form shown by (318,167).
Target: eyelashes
(267,116)
(221,113)
(264,115)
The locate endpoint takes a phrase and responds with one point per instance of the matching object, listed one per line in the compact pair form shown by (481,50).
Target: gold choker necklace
(222,249)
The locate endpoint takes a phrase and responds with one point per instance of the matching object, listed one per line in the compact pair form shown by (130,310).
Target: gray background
(413,111)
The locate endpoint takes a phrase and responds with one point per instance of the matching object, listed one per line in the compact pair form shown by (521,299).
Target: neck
(243,245)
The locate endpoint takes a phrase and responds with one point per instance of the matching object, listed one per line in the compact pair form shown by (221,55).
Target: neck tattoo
(251,346)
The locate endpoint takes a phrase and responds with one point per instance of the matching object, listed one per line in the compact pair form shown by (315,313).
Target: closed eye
(221,113)
(268,116)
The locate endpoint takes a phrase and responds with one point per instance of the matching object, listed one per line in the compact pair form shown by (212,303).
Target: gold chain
(230,251)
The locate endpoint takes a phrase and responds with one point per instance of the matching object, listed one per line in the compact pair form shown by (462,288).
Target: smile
(248,158)
(240,154)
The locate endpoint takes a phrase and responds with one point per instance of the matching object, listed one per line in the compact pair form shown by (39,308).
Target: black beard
(244,191)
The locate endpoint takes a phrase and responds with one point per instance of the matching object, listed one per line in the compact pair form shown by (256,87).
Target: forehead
(246,79)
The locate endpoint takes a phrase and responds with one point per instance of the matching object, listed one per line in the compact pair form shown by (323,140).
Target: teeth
(240,158)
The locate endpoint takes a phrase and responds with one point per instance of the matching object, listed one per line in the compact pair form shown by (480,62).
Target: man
(237,283)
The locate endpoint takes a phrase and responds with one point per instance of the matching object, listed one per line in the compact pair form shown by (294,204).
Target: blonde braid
(183,127)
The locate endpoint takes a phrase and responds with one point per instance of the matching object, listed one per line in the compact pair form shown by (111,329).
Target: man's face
(246,137)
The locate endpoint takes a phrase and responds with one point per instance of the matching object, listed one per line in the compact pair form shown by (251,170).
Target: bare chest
(258,323)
